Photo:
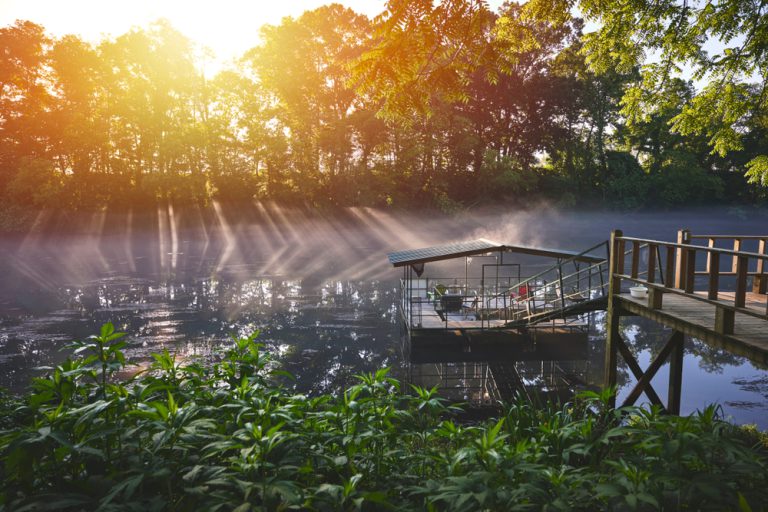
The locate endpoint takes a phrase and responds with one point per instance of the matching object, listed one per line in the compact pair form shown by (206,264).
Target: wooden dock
(715,294)
(687,292)
(697,319)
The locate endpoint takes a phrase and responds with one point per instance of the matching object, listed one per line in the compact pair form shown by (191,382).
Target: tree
(724,45)
(25,96)
(303,68)
(153,96)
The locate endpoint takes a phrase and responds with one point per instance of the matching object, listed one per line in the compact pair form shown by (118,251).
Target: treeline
(446,106)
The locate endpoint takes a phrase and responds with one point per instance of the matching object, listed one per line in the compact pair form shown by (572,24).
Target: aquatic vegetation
(227,435)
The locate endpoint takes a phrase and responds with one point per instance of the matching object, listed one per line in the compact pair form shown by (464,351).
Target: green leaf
(743,503)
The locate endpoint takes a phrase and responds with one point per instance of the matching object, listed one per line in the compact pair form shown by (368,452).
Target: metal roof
(479,246)
(442,252)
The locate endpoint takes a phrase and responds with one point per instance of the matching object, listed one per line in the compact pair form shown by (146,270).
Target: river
(317,287)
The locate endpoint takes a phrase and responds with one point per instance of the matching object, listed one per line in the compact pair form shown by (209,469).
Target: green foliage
(721,44)
(757,170)
(227,436)
(35,184)
(500,176)
(683,181)
(627,185)
(436,104)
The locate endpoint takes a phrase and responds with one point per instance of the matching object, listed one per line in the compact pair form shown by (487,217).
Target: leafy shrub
(502,176)
(227,436)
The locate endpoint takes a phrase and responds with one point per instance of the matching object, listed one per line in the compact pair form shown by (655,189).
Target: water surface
(316,286)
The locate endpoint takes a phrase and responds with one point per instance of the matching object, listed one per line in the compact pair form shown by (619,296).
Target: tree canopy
(722,46)
(429,104)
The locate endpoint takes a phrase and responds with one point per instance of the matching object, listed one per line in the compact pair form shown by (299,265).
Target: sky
(228,27)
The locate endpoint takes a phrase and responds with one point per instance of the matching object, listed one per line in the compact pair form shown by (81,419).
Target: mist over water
(316,284)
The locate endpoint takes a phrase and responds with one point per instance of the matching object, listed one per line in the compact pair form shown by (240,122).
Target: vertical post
(760,281)
(740,298)
(407,296)
(735,259)
(669,273)
(635,259)
(652,248)
(617,261)
(714,275)
(710,244)
(616,266)
(466,276)
(654,294)
(690,270)
(683,237)
(675,374)
(611,347)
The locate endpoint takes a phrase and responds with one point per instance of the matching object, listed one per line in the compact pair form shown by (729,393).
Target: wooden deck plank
(755,301)
(697,319)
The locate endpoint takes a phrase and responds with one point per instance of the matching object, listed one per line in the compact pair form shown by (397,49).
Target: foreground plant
(228,436)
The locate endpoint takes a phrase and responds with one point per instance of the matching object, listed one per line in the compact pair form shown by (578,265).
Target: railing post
(760,281)
(713,259)
(690,270)
(617,261)
(740,297)
(635,259)
(655,295)
(735,259)
(683,237)
(652,248)
(711,245)
(669,273)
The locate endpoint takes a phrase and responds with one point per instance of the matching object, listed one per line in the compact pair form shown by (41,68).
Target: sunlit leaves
(721,45)
(757,170)
(423,52)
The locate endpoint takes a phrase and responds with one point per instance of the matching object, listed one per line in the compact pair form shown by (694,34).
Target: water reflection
(323,331)
(318,288)
(710,374)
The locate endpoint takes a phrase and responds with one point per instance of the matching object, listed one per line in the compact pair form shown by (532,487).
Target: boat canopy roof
(479,246)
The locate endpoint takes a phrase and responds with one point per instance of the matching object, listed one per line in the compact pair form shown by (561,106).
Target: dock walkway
(696,290)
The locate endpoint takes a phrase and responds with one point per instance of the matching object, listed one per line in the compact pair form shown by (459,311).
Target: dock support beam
(675,375)
(611,349)
(673,349)
(614,337)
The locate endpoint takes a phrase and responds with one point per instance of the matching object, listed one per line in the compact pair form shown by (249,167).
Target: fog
(269,240)
(317,284)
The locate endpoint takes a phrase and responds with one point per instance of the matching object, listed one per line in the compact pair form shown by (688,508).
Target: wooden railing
(679,263)
(737,242)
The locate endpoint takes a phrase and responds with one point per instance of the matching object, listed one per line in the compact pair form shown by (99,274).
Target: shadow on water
(316,285)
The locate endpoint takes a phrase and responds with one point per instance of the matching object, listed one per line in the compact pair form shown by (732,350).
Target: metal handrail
(558,265)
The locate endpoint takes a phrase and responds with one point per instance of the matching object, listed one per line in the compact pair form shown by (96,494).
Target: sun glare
(227,27)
